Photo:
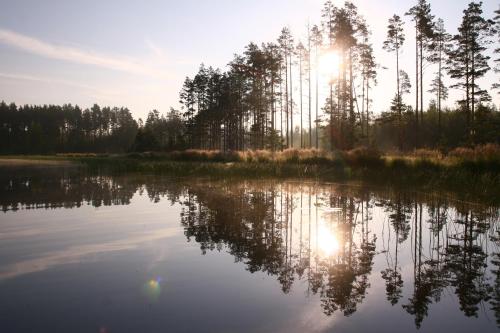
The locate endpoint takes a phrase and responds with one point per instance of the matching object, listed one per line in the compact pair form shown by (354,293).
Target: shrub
(363,156)
(486,153)
(462,153)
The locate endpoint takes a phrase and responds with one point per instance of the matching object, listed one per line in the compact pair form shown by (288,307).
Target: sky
(137,53)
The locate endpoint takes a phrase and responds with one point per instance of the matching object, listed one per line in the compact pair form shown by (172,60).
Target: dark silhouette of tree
(47,129)
(496,39)
(440,47)
(468,63)
(424,31)
(369,79)
(465,261)
(393,43)
(317,40)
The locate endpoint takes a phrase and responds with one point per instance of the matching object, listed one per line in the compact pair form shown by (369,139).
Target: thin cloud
(93,90)
(157,51)
(76,55)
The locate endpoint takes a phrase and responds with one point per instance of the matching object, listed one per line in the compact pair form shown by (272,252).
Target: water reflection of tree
(465,260)
(275,228)
(346,278)
(399,217)
(61,188)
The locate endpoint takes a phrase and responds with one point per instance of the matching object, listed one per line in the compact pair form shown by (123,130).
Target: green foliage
(161,133)
(57,129)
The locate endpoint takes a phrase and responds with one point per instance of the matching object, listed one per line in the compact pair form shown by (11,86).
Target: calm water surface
(96,253)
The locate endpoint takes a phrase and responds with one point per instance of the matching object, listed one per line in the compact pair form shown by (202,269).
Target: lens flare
(152,289)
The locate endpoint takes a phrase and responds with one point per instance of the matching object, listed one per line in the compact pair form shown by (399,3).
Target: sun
(329,64)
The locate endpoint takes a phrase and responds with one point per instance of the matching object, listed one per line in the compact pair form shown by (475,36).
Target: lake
(89,252)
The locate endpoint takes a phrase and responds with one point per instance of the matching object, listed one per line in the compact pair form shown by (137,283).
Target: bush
(483,153)
(363,156)
(462,154)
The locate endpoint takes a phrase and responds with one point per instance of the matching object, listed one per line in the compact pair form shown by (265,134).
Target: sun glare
(329,64)
(327,241)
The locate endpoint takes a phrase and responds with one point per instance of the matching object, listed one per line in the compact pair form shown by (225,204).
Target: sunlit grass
(475,169)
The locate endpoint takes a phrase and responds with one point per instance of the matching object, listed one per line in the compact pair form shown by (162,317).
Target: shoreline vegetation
(472,172)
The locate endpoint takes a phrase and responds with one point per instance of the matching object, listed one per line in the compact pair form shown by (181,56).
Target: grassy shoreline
(474,173)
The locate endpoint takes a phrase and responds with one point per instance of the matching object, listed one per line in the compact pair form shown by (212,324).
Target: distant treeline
(62,129)
(55,129)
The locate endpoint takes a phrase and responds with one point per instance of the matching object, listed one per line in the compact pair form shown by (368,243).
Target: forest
(270,96)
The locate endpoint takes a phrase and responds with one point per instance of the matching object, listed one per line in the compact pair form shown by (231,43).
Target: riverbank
(475,172)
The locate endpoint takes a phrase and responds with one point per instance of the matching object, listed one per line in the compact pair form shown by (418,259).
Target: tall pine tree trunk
(291,103)
(400,140)
(317,95)
(416,85)
(309,83)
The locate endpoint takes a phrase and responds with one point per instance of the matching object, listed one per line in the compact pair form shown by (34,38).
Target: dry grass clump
(291,155)
(483,153)
(427,154)
(202,155)
(79,155)
(189,155)
(363,156)
(305,156)
(256,156)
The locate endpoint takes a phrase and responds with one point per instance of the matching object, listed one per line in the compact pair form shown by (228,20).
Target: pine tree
(345,27)
(317,41)
(496,34)
(439,46)
(301,53)
(393,43)
(467,61)
(285,42)
(421,14)
(368,74)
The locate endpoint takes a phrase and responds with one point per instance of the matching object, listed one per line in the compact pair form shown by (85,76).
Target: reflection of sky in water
(36,240)
(129,268)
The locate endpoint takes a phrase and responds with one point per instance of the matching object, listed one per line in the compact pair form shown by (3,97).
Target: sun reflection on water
(327,241)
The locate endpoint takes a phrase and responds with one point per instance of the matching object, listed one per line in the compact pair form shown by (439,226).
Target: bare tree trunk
(317,93)
(473,98)
(331,116)
(421,82)
(440,83)
(416,85)
(291,103)
(309,81)
(286,99)
(368,111)
(300,90)
(281,107)
(400,140)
